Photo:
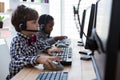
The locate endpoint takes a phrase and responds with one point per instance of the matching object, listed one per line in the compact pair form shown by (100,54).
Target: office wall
(55,11)
(61,11)
(13,4)
(68,23)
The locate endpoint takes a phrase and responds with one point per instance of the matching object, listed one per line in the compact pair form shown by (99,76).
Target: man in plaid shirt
(24,46)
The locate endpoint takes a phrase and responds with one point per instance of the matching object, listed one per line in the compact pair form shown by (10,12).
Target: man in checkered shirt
(24,46)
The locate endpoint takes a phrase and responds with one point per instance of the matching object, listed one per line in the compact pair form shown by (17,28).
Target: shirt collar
(22,35)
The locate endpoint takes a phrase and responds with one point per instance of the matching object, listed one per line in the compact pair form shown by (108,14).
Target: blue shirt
(22,54)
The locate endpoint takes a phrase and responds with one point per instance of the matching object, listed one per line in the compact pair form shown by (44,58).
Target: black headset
(42,26)
(22,25)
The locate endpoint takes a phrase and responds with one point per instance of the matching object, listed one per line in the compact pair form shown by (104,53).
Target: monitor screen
(107,37)
(88,23)
(101,20)
(82,23)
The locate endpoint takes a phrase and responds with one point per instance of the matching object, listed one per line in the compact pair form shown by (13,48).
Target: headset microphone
(33,30)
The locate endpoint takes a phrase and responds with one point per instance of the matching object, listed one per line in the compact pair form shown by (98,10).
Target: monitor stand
(80,42)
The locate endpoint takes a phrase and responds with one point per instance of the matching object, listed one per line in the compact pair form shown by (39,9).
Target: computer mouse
(86,57)
(59,66)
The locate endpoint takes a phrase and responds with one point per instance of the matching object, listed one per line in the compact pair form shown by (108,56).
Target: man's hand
(54,49)
(48,60)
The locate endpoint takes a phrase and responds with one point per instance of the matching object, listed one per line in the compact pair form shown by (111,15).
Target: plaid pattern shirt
(43,36)
(22,54)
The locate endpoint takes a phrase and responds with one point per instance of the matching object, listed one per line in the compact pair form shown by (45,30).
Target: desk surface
(79,70)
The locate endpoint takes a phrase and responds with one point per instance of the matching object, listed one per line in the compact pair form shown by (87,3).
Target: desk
(79,70)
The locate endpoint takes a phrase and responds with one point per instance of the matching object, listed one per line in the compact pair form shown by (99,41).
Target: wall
(55,11)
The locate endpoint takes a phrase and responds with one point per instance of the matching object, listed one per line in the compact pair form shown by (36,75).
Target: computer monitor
(106,58)
(82,23)
(78,25)
(81,28)
(88,23)
(87,30)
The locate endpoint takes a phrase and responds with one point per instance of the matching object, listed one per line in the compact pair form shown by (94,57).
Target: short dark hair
(23,14)
(44,19)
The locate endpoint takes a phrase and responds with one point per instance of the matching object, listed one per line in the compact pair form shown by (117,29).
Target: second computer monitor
(88,23)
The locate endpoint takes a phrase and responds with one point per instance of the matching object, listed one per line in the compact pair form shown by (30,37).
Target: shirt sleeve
(51,40)
(44,37)
(43,45)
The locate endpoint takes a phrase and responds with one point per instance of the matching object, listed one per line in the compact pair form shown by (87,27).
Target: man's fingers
(50,64)
(55,58)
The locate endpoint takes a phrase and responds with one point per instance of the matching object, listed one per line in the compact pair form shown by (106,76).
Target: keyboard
(66,41)
(66,56)
(52,76)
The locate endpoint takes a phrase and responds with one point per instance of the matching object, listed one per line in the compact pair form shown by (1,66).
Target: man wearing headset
(46,23)
(24,46)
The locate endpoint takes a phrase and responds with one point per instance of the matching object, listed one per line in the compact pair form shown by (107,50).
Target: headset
(42,26)
(22,26)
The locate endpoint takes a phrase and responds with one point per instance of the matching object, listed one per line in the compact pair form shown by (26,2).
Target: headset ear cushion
(42,27)
(22,26)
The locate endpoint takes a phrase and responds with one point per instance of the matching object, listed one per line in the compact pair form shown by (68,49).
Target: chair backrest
(4,59)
